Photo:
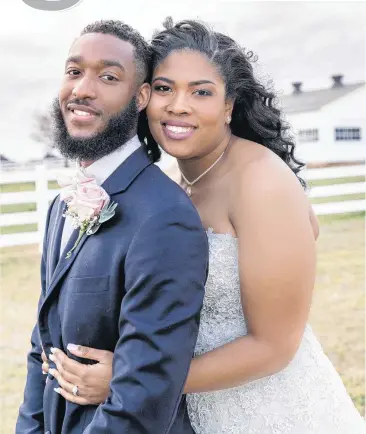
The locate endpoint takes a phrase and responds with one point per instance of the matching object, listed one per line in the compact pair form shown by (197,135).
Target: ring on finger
(75,390)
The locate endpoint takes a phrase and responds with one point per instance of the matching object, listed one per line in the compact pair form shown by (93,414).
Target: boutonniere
(88,205)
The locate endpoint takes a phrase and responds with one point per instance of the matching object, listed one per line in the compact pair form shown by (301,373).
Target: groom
(133,285)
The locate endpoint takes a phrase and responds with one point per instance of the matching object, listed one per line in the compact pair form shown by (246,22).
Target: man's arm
(165,273)
(30,419)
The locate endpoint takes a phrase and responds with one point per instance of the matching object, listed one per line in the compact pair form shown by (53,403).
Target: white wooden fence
(42,195)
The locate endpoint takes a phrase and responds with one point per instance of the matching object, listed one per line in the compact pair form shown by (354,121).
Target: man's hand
(92,381)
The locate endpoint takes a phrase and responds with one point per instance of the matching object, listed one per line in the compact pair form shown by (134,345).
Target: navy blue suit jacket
(135,288)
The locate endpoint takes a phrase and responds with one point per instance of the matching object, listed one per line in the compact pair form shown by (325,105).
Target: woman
(258,368)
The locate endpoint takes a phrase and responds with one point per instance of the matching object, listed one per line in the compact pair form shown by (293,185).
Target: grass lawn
(340,198)
(337,315)
(31,227)
(18,207)
(322,182)
(338,311)
(24,186)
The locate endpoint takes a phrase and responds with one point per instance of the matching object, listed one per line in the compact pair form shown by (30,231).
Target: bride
(258,368)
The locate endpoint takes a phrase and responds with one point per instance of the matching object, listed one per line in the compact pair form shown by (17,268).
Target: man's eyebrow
(104,62)
(191,83)
(109,62)
(74,59)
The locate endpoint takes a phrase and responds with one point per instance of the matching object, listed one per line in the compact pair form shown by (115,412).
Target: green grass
(52,185)
(25,186)
(15,188)
(359,215)
(32,227)
(323,182)
(337,313)
(340,198)
(18,207)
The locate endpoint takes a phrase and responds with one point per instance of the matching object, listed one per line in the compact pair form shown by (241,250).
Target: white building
(329,124)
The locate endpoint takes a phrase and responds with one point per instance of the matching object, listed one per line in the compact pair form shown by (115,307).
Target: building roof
(303,101)
(50,156)
(4,159)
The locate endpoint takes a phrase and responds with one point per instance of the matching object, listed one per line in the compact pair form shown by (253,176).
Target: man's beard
(117,132)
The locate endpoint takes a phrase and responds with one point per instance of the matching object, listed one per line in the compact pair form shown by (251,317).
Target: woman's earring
(228,119)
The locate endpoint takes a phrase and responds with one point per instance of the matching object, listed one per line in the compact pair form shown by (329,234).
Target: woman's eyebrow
(191,83)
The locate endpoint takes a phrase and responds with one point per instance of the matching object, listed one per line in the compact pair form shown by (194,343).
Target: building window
(348,134)
(309,135)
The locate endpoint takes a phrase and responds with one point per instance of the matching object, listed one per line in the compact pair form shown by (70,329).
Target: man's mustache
(83,102)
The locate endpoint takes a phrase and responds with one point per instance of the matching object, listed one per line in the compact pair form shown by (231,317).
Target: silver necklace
(191,183)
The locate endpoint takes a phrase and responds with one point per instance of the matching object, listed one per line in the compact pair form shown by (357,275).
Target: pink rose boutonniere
(88,204)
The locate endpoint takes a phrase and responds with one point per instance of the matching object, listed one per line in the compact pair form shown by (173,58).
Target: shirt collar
(104,167)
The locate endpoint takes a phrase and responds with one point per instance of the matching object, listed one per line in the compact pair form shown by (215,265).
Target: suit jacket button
(48,432)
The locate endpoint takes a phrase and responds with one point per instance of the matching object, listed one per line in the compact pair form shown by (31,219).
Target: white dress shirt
(101,170)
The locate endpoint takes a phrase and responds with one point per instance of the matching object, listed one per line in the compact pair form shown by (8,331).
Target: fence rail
(334,172)
(42,195)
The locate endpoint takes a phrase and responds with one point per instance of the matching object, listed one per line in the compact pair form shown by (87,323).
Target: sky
(294,41)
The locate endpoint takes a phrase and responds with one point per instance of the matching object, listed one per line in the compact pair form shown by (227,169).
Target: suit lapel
(127,172)
(55,239)
(118,182)
(65,263)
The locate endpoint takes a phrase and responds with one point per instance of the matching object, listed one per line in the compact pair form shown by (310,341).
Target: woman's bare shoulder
(253,165)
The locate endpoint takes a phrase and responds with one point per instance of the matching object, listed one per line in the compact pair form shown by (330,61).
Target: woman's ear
(143,96)
(229,106)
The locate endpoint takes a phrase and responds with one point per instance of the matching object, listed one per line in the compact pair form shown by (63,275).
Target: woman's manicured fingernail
(44,372)
(52,372)
(73,347)
(57,390)
(52,357)
(53,350)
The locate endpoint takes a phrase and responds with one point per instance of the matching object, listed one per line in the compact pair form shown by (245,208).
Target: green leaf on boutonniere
(108,212)
(91,227)
(81,233)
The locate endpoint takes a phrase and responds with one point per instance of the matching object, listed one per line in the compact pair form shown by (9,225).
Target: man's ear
(143,96)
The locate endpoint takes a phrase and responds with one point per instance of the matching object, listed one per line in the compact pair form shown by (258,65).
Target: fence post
(42,201)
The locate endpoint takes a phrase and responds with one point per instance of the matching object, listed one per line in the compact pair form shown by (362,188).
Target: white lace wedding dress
(307,397)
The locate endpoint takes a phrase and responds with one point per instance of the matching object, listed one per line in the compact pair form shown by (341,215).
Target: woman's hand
(92,381)
(45,365)
(314,222)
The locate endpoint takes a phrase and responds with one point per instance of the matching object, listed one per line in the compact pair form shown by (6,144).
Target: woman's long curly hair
(254,115)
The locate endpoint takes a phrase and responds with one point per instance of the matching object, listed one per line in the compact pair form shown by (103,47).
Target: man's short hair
(125,33)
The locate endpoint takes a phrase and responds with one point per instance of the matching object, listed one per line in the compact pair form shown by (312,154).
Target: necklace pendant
(189,191)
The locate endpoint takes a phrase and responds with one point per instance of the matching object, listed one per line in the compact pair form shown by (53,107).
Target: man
(135,286)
